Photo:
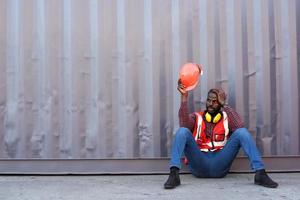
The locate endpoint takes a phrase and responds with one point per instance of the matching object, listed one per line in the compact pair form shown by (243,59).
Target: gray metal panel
(97,78)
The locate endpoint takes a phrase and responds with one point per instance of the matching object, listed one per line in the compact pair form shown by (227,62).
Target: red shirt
(188,120)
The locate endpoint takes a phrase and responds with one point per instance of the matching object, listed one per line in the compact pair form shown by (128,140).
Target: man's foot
(262,178)
(173,180)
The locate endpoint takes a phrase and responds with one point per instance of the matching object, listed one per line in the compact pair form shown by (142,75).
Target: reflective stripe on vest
(208,145)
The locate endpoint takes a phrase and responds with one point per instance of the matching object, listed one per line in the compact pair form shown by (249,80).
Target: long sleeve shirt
(188,120)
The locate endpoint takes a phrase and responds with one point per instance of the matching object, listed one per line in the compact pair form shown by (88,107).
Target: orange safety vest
(219,137)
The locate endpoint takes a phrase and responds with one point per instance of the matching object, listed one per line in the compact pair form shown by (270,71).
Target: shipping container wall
(97,78)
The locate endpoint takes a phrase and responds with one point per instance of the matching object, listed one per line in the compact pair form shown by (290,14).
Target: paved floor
(232,187)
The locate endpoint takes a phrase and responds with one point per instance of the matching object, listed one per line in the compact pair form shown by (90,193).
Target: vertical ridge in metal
(121,137)
(42,122)
(146,131)
(175,60)
(286,74)
(11,137)
(67,82)
(203,46)
(258,62)
(231,53)
(92,140)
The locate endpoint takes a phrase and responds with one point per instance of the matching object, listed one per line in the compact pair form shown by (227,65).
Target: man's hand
(182,89)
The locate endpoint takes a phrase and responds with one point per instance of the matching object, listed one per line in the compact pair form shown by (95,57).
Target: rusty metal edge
(128,166)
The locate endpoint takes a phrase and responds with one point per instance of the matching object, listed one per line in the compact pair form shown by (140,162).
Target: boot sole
(268,186)
(171,187)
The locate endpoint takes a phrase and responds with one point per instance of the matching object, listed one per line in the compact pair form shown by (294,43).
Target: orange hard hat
(189,75)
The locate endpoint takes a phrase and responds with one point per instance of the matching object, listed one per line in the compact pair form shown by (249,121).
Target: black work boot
(262,178)
(173,179)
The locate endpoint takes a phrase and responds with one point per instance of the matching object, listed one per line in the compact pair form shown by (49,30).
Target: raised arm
(185,119)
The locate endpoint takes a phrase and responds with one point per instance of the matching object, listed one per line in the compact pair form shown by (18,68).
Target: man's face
(212,104)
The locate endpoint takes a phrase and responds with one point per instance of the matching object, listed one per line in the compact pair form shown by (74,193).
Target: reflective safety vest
(219,135)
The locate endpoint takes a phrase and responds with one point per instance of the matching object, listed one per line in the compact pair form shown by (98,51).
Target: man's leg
(242,138)
(248,145)
(183,143)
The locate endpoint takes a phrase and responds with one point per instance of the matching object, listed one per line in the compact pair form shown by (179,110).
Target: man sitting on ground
(211,139)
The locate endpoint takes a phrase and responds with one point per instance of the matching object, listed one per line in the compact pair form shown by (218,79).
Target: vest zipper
(212,140)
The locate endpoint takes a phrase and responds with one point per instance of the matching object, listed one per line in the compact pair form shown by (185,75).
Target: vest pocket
(219,137)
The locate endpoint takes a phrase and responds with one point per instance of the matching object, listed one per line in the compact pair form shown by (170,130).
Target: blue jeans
(213,164)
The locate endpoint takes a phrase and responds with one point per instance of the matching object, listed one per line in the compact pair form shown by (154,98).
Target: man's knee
(183,132)
(242,133)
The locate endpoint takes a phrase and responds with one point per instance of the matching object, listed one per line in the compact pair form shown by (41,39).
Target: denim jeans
(213,164)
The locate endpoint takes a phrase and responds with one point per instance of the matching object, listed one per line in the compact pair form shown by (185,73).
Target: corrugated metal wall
(97,79)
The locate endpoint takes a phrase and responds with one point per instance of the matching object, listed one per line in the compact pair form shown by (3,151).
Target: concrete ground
(232,187)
